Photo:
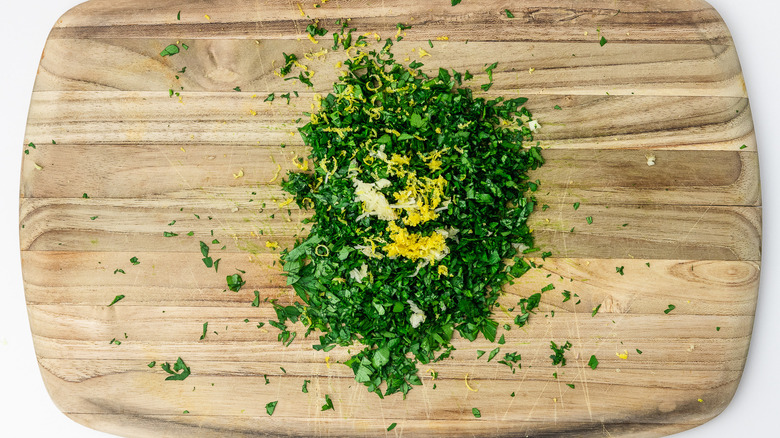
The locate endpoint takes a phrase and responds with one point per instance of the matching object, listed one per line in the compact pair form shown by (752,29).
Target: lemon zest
(276,175)
(466,380)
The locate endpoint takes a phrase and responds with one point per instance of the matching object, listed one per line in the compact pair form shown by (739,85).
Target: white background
(25,407)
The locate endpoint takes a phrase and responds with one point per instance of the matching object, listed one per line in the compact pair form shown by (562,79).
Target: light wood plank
(200,171)
(86,278)
(222,64)
(653,231)
(586,122)
(539,20)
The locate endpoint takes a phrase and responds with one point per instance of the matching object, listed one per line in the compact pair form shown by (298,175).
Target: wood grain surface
(687,231)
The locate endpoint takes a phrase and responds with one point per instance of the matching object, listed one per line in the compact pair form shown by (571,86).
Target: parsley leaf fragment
(180,370)
(116,300)
(328,404)
(270,407)
(170,50)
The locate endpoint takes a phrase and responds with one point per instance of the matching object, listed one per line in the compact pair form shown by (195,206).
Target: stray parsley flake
(134,261)
(180,370)
(328,404)
(557,356)
(170,50)
(116,300)
(234,282)
(475,411)
(593,362)
(270,407)
(670,308)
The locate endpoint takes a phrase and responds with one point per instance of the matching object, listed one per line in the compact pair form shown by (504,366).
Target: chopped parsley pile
(419,194)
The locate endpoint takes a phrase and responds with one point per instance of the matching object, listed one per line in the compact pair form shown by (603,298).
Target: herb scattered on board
(134,261)
(509,14)
(305,387)
(670,308)
(328,404)
(116,300)
(391,427)
(270,407)
(180,370)
(234,282)
(420,198)
(456,2)
(170,50)
(476,413)
(593,362)
(557,356)
(602,41)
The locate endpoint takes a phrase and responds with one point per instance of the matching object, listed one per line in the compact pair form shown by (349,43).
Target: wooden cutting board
(131,163)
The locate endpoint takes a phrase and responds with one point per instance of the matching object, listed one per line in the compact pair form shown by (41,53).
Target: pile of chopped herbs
(420,197)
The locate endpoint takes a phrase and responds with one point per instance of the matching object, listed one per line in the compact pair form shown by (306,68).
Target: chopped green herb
(570,385)
(558,353)
(566,295)
(116,300)
(648,264)
(305,387)
(120,271)
(169,234)
(270,407)
(205,329)
(185,47)
(480,353)
(234,282)
(509,14)
(474,161)
(717,329)
(85,196)
(744,146)
(152,364)
(180,370)
(603,41)
(557,107)
(638,351)
(548,288)
(670,308)
(493,353)
(272,96)
(328,403)
(391,427)
(134,261)
(501,340)
(474,411)
(237,89)
(595,310)
(170,50)
(593,362)
(178,16)
(93,218)
(576,205)
(265,377)
(589,220)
